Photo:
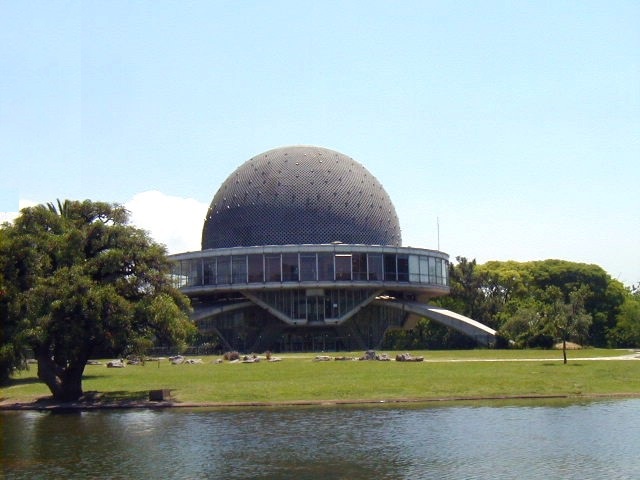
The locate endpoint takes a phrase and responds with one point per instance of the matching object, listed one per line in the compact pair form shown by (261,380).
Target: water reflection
(595,440)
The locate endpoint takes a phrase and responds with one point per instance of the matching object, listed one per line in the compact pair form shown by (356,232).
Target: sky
(500,130)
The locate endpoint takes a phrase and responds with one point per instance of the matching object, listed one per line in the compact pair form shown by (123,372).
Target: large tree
(513,290)
(78,278)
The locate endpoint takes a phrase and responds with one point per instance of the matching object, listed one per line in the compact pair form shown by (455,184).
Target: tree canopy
(524,299)
(536,304)
(76,278)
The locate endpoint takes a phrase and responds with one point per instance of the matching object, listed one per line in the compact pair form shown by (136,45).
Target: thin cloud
(175,222)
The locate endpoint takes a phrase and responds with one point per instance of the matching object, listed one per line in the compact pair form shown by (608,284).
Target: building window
(239,268)
(375,267)
(343,266)
(424,269)
(325,267)
(439,269)
(273,271)
(359,261)
(390,274)
(179,274)
(432,270)
(414,268)
(445,272)
(256,268)
(308,267)
(224,270)
(403,268)
(210,271)
(195,272)
(290,267)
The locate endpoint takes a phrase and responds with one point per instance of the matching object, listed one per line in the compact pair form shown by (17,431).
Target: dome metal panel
(300,195)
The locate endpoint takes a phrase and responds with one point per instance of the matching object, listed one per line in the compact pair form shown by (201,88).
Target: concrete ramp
(209,312)
(480,332)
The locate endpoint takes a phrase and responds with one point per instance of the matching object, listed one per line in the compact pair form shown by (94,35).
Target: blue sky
(515,125)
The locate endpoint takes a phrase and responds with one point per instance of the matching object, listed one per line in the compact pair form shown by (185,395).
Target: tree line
(533,304)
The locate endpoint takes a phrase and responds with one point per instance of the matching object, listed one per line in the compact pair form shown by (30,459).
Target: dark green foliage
(526,301)
(627,330)
(426,334)
(539,340)
(514,298)
(80,279)
(467,284)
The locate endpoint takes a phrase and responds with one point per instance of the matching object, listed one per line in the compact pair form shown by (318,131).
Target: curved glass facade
(310,264)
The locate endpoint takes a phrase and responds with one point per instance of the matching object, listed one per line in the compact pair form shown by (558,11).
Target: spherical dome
(300,195)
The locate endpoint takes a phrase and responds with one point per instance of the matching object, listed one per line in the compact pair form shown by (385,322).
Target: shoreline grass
(297,378)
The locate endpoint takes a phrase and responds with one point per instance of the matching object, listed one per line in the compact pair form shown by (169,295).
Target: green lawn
(444,374)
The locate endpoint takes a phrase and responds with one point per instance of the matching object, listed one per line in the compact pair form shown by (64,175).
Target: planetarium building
(302,250)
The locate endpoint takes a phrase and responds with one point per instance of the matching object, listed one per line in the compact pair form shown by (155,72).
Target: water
(572,441)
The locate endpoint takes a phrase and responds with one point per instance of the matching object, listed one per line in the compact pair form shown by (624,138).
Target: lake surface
(595,440)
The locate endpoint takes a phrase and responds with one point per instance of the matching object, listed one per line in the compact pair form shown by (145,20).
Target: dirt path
(629,356)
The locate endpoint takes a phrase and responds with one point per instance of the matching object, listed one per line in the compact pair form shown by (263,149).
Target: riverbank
(46,405)
(299,380)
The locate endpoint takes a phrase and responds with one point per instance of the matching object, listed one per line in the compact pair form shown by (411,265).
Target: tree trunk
(49,373)
(65,384)
(564,350)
